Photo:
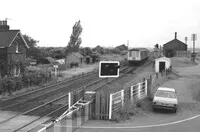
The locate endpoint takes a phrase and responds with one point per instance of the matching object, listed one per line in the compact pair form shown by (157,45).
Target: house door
(161,66)
(87,60)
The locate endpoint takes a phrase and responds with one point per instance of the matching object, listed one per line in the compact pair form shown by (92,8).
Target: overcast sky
(105,22)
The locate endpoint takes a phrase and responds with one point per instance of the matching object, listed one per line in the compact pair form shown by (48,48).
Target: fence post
(110,107)
(122,97)
(139,90)
(69,99)
(146,87)
(131,93)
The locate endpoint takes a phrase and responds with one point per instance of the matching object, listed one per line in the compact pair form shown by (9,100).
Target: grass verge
(130,110)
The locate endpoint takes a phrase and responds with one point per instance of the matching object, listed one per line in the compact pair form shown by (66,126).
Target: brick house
(74,59)
(13,49)
(171,47)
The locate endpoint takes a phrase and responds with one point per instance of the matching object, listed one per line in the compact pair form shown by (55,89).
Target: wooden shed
(74,59)
(162,63)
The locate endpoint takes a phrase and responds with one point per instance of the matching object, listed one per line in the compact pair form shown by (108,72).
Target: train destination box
(162,63)
(109,69)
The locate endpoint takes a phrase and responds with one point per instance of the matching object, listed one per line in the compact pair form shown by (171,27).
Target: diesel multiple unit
(137,55)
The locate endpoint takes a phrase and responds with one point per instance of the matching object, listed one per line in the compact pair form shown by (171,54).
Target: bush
(125,113)
(18,83)
(36,76)
(32,76)
(8,84)
(138,104)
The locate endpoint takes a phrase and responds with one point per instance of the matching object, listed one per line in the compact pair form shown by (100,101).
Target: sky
(107,23)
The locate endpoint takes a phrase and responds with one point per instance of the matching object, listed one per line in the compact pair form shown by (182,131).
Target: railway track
(30,101)
(35,105)
(46,89)
(110,80)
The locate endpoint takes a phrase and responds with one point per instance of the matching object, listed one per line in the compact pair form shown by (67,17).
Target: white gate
(139,91)
(116,101)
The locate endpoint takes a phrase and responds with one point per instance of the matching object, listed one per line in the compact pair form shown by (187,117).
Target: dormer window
(17,48)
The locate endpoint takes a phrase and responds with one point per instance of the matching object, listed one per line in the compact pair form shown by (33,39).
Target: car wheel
(154,109)
(174,110)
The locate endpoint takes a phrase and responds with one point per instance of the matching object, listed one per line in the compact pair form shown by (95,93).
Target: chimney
(3,25)
(175,35)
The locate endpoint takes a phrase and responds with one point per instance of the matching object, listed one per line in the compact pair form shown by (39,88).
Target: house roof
(174,41)
(163,58)
(138,49)
(77,54)
(8,36)
(51,60)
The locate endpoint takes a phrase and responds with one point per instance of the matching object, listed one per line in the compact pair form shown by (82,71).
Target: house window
(17,48)
(16,70)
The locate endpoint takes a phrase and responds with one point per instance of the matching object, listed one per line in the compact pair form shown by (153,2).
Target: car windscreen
(166,94)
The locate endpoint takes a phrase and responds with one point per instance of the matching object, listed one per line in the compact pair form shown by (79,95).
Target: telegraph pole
(194,38)
(186,40)
(127,44)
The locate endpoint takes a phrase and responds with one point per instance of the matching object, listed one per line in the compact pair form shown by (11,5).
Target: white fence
(116,100)
(137,92)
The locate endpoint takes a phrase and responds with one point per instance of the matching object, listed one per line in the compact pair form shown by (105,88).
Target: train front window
(130,53)
(137,54)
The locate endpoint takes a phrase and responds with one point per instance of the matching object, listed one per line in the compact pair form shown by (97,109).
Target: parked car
(165,98)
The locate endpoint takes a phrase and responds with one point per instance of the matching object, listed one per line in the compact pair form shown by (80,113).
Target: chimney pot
(175,35)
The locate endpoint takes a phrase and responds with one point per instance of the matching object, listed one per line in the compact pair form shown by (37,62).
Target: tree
(33,52)
(99,49)
(86,51)
(30,41)
(57,53)
(156,46)
(75,39)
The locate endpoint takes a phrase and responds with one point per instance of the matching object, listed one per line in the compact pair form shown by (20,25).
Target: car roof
(166,89)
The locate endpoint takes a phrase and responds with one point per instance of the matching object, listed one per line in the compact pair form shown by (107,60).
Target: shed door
(87,60)
(161,66)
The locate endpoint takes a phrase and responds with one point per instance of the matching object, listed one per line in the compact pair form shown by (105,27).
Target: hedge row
(31,77)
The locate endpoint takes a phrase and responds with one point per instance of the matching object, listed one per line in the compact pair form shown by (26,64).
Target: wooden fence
(101,106)
(183,53)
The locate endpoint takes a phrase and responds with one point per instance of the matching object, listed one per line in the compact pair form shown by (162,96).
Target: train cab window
(137,54)
(130,53)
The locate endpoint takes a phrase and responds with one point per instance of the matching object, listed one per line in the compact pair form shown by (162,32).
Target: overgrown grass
(131,109)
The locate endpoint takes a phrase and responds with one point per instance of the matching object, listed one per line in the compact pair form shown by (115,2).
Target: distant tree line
(74,45)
